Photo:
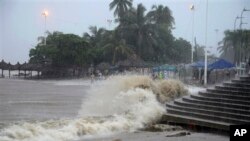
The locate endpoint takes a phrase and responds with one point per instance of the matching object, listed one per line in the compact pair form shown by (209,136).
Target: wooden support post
(24,73)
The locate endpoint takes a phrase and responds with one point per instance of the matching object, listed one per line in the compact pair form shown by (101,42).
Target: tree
(118,48)
(147,38)
(199,52)
(95,35)
(181,51)
(161,15)
(61,50)
(236,41)
(121,7)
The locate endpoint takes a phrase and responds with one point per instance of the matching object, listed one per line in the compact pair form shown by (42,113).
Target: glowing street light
(191,7)
(45,13)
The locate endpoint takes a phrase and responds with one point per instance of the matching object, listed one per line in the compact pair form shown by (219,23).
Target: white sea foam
(118,104)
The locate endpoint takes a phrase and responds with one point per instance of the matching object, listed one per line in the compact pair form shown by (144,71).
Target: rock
(178,134)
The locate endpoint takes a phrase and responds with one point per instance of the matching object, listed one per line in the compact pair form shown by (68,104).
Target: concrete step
(206,116)
(244,77)
(211,112)
(211,107)
(240,89)
(228,92)
(195,121)
(221,99)
(229,105)
(241,81)
(233,84)
(228,96)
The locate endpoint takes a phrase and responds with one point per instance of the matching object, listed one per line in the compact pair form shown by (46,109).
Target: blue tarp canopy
(221,64)
(199,64)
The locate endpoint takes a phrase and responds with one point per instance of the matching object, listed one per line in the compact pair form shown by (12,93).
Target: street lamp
(241,23)
(191,7)
(205,64)
(244,10)
(45,13)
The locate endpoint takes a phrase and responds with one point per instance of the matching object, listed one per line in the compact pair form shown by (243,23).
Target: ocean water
(77,110)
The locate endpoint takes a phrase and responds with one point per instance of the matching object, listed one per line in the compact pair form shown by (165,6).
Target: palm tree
(117,47)
(121,7)
(95,35)
(138,31)
(161,15)
(231,41)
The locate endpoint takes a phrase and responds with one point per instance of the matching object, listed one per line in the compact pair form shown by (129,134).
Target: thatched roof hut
(17,66)
(9,66)
(26,66)
(3,65)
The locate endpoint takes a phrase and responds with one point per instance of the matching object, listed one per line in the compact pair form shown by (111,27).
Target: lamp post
(45,14)
(192,46)
(241,23)
(205,64)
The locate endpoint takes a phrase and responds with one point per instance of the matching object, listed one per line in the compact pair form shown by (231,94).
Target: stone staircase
(216,108)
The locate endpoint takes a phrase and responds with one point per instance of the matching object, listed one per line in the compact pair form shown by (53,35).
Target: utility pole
(205,64)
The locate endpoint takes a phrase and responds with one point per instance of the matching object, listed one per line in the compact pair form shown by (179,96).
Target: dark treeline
(139,34)
(235,45)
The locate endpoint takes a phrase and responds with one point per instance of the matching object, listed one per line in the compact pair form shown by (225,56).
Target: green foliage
(61,50)
(146,35)
(238,41)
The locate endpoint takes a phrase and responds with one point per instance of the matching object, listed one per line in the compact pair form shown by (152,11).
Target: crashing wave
(118,104)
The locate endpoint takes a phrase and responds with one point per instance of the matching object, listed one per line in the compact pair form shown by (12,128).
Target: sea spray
(118,104)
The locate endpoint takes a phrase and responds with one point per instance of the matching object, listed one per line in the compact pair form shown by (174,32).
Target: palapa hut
(17,66)
(3,66)
(27,67)
(134,62)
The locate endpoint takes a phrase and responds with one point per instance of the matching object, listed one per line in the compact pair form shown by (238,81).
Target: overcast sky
(21,21)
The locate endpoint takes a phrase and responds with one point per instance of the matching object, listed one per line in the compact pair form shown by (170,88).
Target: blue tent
(221,64)
(199,64)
